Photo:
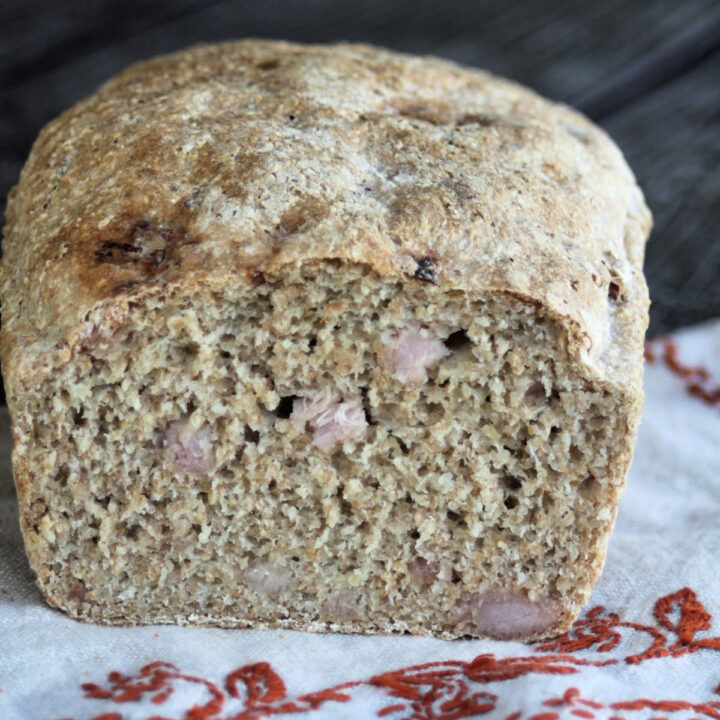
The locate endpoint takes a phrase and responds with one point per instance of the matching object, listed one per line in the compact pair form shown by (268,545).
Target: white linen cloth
(652,652)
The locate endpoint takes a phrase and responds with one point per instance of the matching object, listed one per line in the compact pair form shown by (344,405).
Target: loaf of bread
(325,338)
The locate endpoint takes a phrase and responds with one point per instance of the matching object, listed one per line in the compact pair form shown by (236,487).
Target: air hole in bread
(250,435)
(62,476)
(457,340)
(366,406)
(535,394)
(511,484)
(285,407)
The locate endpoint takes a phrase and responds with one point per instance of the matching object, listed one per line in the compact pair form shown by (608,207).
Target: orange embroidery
(262,683)
(693,616)
(572,698)
(697,378)
(597,630)
(453,689)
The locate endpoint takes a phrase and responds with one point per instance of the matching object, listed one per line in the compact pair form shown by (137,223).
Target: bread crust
(217,164)
(248,155)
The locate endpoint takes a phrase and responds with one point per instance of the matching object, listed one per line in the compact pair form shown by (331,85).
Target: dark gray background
(647,71)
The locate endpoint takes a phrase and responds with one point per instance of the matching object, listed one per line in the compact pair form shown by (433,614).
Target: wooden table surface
(646,70)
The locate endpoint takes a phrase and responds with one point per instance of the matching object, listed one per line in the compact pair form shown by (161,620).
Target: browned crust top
(221,162)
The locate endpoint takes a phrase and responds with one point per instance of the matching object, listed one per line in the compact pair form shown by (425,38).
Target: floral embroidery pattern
(450,690)
(697,378)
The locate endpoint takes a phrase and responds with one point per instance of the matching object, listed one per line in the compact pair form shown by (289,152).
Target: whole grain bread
(322,337)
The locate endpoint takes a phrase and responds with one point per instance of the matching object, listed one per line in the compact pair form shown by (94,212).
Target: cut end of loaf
(325,450)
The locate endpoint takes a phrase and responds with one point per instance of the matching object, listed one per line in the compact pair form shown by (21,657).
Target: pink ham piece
(332,418)
(266,579)
(190,452)
(345,606)
(506,615)
(423,572)
(411,350)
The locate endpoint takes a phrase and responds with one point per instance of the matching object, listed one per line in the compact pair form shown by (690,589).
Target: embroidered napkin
(645,647)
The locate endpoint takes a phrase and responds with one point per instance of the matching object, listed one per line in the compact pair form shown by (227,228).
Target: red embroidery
(262,683)
(596,631)
(453,689)
(572,697)
(698,380)
(693,617)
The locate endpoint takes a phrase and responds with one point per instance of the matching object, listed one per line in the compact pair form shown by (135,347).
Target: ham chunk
(345,606)
(411,350)
(507,615)
(189,451)
(423,572)
(266,579)
(332,417)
